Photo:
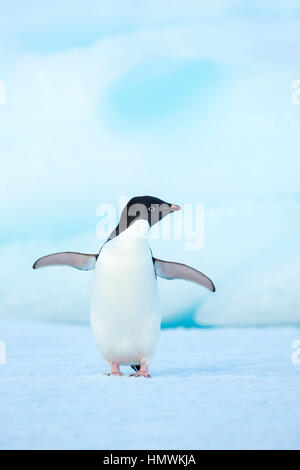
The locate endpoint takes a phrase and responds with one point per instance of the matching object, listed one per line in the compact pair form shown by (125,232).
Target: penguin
(125,315)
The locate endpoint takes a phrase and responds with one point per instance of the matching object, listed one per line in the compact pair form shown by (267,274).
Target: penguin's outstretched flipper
(82,261)
(169,270)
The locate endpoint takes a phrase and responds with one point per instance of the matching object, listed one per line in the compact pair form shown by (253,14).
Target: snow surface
(210,388)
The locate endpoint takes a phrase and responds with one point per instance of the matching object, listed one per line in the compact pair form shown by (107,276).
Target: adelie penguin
(125,314)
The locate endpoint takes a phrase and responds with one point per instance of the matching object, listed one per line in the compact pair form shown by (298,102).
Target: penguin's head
(148,208)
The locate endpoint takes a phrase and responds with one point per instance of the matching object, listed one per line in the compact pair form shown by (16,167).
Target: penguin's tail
(136,367)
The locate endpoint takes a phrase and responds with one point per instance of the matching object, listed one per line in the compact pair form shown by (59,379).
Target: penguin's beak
(174,207)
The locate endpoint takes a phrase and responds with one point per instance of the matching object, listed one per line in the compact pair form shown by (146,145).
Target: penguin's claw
(141,374)
(114,373)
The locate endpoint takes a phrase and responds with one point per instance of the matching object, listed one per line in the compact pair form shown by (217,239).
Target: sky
(191,103)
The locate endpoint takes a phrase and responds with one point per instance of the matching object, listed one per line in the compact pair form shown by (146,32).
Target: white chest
(125,316)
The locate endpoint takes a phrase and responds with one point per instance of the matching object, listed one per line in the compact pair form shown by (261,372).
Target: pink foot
(143,372)
(115,369)
(114,373)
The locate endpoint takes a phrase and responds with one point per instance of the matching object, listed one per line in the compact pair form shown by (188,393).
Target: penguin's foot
(115,369)
(143,372)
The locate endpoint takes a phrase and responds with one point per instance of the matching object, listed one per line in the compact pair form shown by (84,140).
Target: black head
(147,208)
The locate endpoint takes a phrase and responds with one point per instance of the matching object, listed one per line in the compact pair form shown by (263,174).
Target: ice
(210,388)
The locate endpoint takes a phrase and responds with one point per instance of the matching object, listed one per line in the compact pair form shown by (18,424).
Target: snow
(210,388)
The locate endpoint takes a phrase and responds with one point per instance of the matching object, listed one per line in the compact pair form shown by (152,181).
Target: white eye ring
(151,209)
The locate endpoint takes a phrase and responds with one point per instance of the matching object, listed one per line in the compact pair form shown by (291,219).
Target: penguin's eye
(151,209)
